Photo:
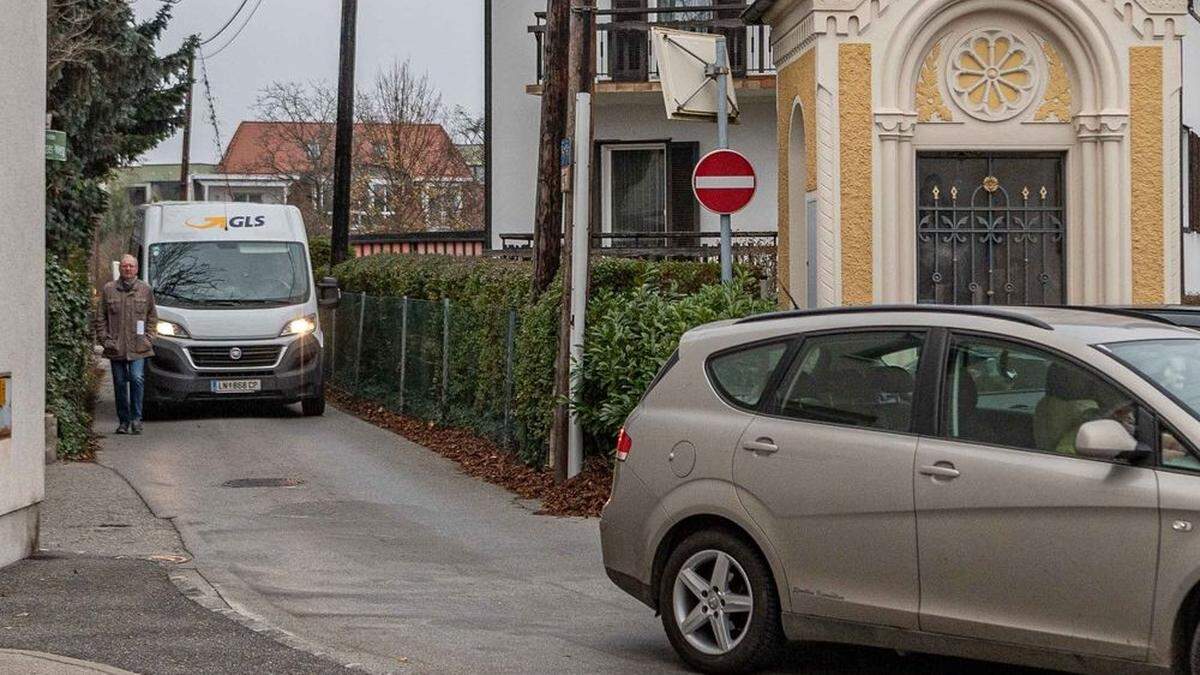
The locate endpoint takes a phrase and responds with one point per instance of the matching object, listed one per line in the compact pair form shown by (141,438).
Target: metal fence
(426,359)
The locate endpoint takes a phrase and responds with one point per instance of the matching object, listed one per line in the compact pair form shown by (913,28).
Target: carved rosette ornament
(992,75)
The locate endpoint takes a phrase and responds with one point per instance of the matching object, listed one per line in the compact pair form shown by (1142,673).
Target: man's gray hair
(130,257)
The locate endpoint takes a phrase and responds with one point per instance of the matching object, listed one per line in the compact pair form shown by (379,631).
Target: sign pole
(723,144)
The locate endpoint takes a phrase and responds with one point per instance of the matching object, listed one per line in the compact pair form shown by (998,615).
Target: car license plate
(235,386)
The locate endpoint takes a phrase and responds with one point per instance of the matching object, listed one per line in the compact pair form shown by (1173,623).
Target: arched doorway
(802,259)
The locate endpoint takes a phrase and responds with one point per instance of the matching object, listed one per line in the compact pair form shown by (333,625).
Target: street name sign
(724,181)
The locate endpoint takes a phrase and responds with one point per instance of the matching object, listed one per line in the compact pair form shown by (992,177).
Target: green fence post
(362,315)
(333,345)
(445,352)
(403,348)
(510,340)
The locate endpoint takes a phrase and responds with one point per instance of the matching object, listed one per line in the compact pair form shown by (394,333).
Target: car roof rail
(973,310)
(1130,312)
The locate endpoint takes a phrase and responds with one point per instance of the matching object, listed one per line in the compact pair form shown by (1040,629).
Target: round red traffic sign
(724,181)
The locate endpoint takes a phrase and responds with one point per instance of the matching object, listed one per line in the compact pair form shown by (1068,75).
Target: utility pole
(344,144)
(721,71)
(547,230)
(567,454)
(185,163)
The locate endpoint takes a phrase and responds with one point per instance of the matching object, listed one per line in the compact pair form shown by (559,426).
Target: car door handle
(763,446)
(940,470)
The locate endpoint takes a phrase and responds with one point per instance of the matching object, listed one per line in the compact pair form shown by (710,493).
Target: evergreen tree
(116,98)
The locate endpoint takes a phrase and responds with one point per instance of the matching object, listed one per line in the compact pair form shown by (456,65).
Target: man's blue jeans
(129,379)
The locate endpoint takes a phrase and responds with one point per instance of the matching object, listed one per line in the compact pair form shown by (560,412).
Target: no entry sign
(724,181)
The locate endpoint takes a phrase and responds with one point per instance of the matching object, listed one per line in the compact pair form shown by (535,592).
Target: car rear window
(742,376)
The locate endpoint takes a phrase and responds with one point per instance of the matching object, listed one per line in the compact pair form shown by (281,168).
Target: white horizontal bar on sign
(724,182)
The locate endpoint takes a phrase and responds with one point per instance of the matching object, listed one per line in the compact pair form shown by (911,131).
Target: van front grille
(236,356)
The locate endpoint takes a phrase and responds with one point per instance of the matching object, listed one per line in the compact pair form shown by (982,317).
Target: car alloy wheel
(712,602)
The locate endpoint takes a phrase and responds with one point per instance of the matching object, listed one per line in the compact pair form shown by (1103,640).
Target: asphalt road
(387,556)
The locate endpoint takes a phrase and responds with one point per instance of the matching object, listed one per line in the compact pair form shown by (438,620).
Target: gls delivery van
(237,305)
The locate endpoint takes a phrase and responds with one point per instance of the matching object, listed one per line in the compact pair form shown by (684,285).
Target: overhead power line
(239,30)
(227,23)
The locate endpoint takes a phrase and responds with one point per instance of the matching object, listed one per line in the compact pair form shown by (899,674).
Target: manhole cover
(263,483)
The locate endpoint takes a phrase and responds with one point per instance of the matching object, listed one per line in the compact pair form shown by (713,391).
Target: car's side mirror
(1107,440)
(329,295)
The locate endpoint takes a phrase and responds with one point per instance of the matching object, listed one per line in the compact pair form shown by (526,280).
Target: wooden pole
(580,77)
(344,144)
(185,167)
(547,225)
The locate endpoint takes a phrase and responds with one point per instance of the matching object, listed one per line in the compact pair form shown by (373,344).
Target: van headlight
(303,326)
(170,329)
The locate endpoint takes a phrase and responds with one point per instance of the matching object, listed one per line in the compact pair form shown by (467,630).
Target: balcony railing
(747,245)
(623,45)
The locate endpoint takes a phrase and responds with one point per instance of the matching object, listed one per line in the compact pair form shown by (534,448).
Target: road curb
(19,660)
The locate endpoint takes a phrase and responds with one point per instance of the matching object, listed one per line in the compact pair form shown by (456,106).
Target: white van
(237,305)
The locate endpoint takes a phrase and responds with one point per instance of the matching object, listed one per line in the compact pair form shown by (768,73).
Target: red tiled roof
(274,147)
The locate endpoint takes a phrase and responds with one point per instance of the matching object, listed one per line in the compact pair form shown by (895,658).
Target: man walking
(126,318)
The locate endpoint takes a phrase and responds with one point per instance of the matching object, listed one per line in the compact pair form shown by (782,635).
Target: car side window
(742,376)
(1176,454)
(1003,393)
(862,379)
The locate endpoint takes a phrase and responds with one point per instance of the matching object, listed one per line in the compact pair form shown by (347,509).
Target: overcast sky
(298,40)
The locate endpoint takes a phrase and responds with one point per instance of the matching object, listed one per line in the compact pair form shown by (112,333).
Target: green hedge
(68,355)
(637,312)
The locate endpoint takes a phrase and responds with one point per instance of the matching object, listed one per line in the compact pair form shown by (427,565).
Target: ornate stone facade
(1064,107)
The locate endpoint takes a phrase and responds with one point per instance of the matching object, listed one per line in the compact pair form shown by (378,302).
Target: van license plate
(235,386)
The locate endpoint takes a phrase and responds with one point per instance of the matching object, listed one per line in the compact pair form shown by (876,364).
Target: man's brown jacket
(117,319)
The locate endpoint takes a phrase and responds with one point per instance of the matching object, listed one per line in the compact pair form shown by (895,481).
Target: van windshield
(228,274)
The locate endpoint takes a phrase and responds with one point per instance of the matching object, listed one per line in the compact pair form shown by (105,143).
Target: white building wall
(22,271)
(643,117)
(515,116)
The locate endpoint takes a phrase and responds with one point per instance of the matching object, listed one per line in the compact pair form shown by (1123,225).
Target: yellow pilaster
(797,79)
(854,103)
(1146,137)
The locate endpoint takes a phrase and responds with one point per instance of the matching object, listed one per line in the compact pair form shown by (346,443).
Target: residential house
(978,151)
(643,162)
(408,178)
(148,183)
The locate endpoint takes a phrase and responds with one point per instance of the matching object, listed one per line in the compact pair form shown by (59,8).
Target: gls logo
(226,223)
(247,221)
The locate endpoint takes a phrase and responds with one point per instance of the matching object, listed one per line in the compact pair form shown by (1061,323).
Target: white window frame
(606,187)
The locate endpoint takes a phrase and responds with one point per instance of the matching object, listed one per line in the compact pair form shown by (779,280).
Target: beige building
(978,151)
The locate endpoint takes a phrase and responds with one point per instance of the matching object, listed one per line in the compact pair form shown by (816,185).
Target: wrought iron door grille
(990,229)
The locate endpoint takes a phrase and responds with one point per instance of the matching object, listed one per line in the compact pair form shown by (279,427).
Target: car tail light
(624,445)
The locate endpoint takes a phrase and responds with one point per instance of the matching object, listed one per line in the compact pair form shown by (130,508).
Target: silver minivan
(1016,484)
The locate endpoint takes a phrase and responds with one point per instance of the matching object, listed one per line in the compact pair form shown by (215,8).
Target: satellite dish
(684,63)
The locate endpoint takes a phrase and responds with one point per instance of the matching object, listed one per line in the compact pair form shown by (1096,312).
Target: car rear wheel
(719,605)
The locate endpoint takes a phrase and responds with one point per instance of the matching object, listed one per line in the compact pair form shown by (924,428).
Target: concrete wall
(22,271)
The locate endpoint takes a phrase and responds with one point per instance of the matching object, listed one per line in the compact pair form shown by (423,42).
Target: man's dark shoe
(136,430)
(123,428)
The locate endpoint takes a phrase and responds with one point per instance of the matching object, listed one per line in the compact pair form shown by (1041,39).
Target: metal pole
(403,348)
(362,316)
(723,144)
(579,272)
(445,351)
(510,339)
(333,345)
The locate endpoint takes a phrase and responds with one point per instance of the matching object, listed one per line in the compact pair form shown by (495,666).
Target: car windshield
(1171,365)
(235,273)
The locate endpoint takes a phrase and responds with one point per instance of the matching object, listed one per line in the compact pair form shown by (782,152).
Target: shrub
(636,314)
(68,350)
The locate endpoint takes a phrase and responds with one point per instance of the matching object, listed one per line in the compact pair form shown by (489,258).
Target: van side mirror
(1107,440)
(329,296)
